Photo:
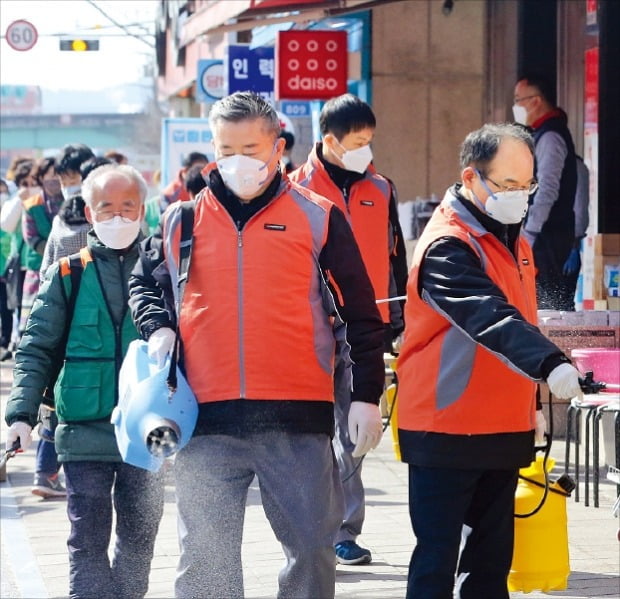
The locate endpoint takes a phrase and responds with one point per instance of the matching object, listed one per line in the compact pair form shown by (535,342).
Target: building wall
(428,90)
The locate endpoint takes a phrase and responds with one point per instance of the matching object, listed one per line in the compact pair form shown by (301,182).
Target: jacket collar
(477,221)
(104,252)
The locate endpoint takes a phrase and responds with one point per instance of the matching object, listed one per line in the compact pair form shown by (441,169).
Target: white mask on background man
(67,192)
(357,160)
(117,233)
(520,114)
(243,175)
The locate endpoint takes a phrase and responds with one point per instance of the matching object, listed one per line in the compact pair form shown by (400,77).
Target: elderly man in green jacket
(86,392)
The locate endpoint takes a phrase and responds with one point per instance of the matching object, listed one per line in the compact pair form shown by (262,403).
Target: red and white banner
(311,65)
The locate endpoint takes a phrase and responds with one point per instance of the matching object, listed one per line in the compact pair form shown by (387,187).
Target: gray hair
(480,146)
(242,106)
(98,176)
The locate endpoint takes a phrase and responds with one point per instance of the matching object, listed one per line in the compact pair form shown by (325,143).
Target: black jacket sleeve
(453,282)
(150,291)
(398,258)
(353,295)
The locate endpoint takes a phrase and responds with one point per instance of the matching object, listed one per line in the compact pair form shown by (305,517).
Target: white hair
(98,176)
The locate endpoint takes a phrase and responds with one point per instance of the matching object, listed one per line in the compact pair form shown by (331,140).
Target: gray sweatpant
(350,468)
(301,496)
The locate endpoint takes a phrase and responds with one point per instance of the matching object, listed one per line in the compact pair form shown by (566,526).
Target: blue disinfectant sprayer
(157,411)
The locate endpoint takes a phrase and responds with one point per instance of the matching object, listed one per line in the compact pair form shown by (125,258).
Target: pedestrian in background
(339,168)
(11,223)
(272,266)
(175,191)
(550,222)
(6,315)
(85,393)
(194,181)
(70,226)
(287,154)
(38,212)
(468,368)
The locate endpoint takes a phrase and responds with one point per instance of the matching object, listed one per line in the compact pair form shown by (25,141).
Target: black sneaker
(48,486)
(350,553)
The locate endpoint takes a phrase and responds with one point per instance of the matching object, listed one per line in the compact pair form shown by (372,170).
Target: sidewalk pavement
(34,531)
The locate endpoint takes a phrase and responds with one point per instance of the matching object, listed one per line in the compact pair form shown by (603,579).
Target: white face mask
(4,196)
(520,114)
(117,233)
(67,192)
(507,207)
(244,175)
(356,160)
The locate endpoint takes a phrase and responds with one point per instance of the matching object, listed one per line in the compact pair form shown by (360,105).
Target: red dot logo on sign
(311,64)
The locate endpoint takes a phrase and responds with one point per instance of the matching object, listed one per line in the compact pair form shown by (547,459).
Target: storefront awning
(221,16)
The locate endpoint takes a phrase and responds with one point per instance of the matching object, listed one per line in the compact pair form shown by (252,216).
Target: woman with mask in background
(38,212)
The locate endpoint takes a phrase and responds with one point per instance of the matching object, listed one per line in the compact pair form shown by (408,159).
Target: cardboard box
(599,290)
(613,303)
(607,244)
(568,338)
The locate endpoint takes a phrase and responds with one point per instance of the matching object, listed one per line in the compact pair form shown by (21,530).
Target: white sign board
(180,137)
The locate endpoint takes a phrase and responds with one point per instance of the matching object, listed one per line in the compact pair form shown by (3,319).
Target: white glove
(365,428)
(19,430)
(563,382)
(541,428)
(160,344)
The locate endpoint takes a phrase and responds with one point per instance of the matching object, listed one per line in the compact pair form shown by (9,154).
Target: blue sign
(295,108)
(251,69)
(210,81)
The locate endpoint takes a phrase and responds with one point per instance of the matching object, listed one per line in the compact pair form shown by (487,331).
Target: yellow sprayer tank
(390,397)
(540,559)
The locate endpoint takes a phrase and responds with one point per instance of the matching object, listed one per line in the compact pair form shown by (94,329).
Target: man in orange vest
(470,360)
(339,168)
(273,265)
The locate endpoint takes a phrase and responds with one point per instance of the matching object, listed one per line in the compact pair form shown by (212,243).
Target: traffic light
(79,45)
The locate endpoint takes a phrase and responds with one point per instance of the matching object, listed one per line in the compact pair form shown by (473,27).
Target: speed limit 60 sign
(21,35)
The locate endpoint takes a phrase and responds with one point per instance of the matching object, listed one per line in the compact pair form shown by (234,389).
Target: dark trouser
(554,290)
(441,501)
(6,318)
(47,458)
(138,501)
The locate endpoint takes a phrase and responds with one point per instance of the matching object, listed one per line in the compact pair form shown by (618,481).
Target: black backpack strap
(74,263)
(186,242)
(185,253)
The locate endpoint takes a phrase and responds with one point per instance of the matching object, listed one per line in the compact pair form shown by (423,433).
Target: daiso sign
(311,65)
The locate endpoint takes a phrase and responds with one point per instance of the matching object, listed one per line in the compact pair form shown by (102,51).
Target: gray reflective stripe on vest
(458,349)
(318,219)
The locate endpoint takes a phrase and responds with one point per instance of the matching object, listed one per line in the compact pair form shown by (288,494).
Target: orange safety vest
(252,319)
(368,212)
(447,382)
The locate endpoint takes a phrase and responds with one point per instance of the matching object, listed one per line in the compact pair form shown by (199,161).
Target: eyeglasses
(519,100)
(127,214)
(533,186)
